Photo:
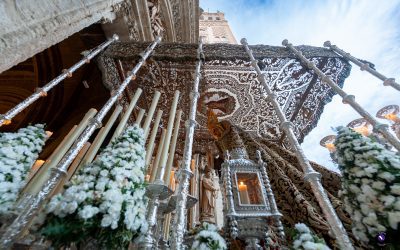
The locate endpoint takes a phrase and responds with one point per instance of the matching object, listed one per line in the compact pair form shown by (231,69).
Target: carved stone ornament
(229,86)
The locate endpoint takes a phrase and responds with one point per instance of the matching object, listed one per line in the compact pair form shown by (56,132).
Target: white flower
(106,221)
(302,228)
(306,237)
(371,219)
(297,243)
(394,219)
(387,199)
(379,185)
(387,176)
(110,188)
(71,207)
(397,205)
(88,212)
(395,189)
(354,188)
(309,245)
(18,151)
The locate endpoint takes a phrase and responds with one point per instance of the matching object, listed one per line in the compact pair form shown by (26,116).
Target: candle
(331,147)
(72,168)
(36,166)
(192,180)
(167,223)
(127,114)
(41,177)
(154,102)
(364,130)
(100,137)
(168,134)
(244,195)
(173,145)
(172,180)
(392,117)
(139,117)
(150,145)
(48,134)
(156,165)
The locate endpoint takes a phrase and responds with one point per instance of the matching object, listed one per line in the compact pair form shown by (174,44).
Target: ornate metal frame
(248,222)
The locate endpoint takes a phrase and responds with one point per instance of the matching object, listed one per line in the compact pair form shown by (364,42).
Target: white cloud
(369,30)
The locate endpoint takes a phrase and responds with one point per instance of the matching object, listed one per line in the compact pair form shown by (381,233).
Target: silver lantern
(249,204)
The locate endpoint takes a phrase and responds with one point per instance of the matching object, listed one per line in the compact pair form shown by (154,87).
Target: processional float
(26,215)
(158,189)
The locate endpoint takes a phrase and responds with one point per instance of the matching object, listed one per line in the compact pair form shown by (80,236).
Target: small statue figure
(208,198)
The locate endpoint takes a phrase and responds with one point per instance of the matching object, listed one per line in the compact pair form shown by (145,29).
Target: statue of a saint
(208,197)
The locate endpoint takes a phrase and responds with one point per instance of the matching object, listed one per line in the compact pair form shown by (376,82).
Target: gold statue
(217,129)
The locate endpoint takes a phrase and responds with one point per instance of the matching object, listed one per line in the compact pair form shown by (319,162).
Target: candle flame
(5,122)
(331,147)
(364,130)
(49,133)
(392,117)
(241,183)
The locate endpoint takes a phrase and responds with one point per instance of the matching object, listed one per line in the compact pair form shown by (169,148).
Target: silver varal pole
(185,173)
(364,66)
(310,175)
(347,99)
(40,92)
(19,224)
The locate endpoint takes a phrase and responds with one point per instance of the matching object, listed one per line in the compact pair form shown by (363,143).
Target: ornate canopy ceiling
(229,85)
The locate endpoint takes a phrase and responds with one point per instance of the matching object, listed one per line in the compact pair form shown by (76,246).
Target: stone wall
(28,27)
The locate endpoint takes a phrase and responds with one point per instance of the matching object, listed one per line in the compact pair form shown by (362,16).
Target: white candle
(36,166)
(167,223)
(164,155)
(147,121)
(173,145)
(139,117)
(156,164)
(150,145)
(100,137)
(244,195)
(126,115)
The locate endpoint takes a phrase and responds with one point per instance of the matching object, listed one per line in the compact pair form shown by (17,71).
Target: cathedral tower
(214,28)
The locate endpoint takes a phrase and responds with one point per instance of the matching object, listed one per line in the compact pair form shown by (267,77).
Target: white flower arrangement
(107,196)
(18,152)
(370,183)
(208,238)
(304,239)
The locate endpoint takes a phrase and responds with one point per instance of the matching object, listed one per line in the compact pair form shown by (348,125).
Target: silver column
(347,99)
(310,175)
(19,224)
(40,92)
(364,66)
(185,173)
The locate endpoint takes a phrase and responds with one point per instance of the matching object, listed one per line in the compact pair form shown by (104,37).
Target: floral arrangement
(208,238)
(371,185)
(303,238)
(18,152)
(105,201)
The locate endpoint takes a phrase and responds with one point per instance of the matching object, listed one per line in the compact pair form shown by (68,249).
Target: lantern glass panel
(249,189)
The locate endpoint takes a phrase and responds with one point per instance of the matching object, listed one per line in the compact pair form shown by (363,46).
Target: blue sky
(367,29)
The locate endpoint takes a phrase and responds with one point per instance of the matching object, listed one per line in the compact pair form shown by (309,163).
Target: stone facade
(28,27)
(215,29)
